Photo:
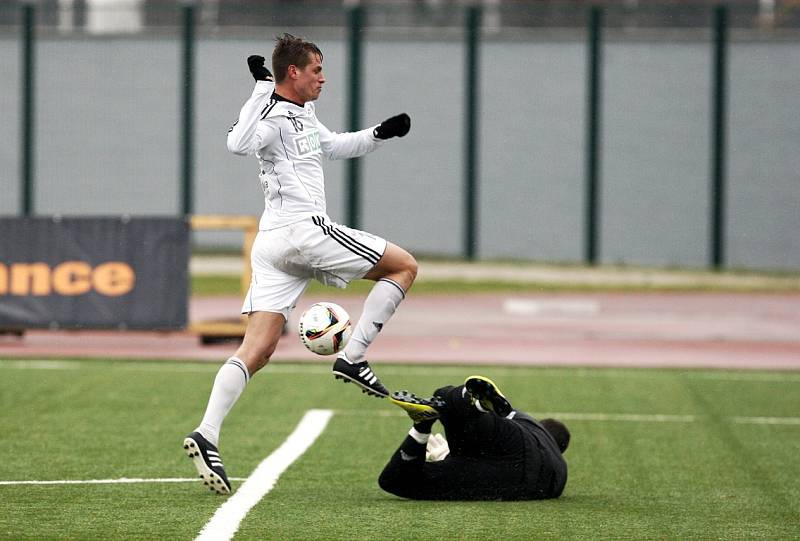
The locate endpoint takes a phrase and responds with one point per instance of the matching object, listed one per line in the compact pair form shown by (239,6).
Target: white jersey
(289,142)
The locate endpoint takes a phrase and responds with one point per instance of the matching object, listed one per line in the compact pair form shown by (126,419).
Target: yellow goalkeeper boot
(419,409)
(488,395)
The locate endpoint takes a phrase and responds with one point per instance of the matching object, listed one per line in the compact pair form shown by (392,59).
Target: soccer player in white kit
(297,241)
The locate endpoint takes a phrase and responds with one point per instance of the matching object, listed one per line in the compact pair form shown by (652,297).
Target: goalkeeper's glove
(257,68)
(397,126)
(437,448)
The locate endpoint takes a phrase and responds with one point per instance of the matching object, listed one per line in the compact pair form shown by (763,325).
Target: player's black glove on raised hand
(397,126)
(257,68)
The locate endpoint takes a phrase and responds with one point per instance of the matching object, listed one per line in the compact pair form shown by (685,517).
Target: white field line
(41,365)
(120,481)
(788,421)
(771,377)
(766,420)
(630,417)
(627,417)
(789,377)
(529,307)
(225,522)
(611,417)
(414,370)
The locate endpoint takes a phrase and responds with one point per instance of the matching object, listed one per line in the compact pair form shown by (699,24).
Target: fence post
(187,108)
(593,118)
(718,140)
(353,167)
(28,120)
(471,147)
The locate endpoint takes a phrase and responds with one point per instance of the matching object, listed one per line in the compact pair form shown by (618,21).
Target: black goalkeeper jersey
(491,458)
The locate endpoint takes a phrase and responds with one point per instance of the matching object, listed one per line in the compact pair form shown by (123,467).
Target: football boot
(419,409)
(208,463)
(488,395)
(360,374)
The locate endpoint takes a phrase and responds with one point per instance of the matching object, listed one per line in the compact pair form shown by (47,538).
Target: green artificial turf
(655,454)
(212,285)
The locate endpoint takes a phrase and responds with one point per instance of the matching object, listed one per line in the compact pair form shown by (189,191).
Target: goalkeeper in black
(495,452)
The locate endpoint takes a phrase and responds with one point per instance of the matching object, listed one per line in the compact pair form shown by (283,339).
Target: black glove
(256,65)
(397,126)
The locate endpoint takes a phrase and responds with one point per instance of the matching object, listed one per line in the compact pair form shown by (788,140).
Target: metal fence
(636,132)
(105,16)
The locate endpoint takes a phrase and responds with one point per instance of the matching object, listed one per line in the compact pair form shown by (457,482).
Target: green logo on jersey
(307,143)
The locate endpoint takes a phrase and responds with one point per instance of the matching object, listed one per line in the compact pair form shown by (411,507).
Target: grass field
(662,454)
(221,284)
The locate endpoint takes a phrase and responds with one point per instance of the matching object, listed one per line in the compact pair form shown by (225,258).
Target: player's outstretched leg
(393,274)
(488,395)
(419,409)
(362,375)
(208,463)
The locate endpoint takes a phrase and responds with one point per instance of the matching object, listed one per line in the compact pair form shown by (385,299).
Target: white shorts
(285,259)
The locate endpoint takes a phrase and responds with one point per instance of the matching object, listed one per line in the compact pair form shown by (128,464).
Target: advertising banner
(94,272)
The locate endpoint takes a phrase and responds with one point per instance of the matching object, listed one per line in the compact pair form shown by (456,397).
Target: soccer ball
(325,328)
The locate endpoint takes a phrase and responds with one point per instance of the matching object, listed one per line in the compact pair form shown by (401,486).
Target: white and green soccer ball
(325,328)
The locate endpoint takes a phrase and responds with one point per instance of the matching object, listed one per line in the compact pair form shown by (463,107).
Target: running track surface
(707,330)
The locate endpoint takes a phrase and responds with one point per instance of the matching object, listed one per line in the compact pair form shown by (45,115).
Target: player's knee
(411,267)
(406,265)
(402,269)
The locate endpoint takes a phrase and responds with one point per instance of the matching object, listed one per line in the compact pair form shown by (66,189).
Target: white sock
(379,306)
(228,385)
(418,436)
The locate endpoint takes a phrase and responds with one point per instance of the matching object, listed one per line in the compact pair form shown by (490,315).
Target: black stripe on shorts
(347,241)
